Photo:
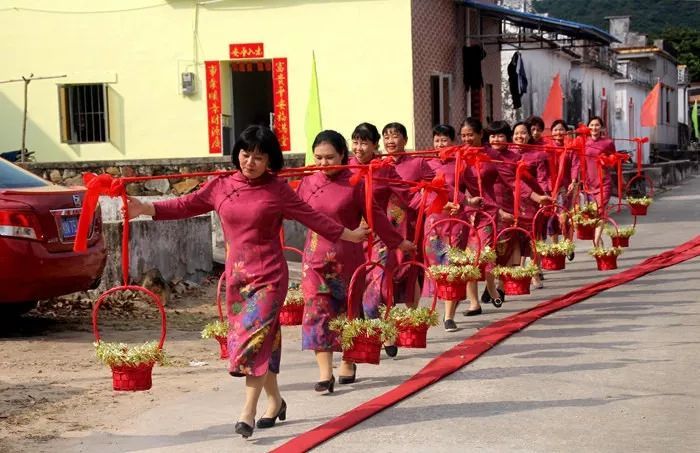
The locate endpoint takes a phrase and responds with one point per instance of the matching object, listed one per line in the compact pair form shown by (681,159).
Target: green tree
(687,43)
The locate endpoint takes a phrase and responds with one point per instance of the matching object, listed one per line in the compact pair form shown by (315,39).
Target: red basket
(553,262)
(585,232)
(451,290)
(127,377)
(291,315)
(364,350)
(638,209)
(412,336)
(606,262)
(619,241)
(516,286)
(223,347)
(132,378)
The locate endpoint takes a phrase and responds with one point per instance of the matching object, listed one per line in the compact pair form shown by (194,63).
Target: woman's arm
(196,203)
(294,208)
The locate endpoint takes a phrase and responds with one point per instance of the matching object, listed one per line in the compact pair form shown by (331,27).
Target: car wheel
(16,309)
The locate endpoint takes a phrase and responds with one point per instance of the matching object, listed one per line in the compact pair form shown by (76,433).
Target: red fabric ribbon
(96,185)
(520,173)
(612,161)
(640,141)
(474,157)
(439,188)
(364,171)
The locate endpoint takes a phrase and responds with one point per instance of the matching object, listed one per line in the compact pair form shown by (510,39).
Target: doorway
(251,93)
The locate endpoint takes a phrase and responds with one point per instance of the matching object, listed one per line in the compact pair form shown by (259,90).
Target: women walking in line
(327,266)
(251,204)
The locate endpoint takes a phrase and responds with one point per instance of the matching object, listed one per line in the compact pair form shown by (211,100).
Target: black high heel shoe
(391,350)
(348,379)
(244,429)
(269,422)
(322,386)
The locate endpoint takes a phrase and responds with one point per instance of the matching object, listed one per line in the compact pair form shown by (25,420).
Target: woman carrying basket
(251,204)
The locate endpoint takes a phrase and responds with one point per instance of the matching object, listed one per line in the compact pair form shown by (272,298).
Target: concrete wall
(624,91)
(179,249)
(541,66)
(362,47)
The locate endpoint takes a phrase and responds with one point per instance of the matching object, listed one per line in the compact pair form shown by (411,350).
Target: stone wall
(70,173)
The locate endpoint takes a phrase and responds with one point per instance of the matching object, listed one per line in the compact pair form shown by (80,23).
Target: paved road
(617,372)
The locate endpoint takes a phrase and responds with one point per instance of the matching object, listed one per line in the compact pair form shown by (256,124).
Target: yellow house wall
(140,47)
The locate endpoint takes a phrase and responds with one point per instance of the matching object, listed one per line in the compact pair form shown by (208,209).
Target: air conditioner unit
(188,86)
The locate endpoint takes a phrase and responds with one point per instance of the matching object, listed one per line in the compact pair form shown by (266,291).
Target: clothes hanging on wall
(517,80)
(471,60)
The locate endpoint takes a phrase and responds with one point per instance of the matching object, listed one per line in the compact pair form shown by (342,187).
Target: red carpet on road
(474,346)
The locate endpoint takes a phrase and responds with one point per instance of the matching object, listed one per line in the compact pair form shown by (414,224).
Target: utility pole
(26,81)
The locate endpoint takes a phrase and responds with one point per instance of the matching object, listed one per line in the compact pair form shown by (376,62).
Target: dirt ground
(51,383)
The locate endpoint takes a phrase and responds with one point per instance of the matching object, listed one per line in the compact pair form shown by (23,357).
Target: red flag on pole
(553,107)
(650,108)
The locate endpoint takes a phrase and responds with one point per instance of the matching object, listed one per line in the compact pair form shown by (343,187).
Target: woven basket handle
(154,297)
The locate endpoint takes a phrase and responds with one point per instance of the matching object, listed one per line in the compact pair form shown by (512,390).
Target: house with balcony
(642,64)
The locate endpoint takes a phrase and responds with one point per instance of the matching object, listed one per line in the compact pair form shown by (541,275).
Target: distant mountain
(647,16)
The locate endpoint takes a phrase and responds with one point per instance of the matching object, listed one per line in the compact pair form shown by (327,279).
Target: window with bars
(84,113)
(440,98)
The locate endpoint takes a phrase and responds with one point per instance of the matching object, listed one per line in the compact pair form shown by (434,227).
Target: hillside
(676,21)
(648,16)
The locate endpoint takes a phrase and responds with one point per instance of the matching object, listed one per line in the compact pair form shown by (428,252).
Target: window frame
(67,114)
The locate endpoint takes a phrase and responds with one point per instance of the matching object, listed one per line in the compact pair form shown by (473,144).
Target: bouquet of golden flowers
(517,272)
(605,251)
(416,317)
(620,232)
(121,354)
(564,248)
(349,329)
(215,329)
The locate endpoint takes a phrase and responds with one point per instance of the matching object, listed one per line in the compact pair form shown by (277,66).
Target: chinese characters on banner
(250,50)
(281,101)
(214,105)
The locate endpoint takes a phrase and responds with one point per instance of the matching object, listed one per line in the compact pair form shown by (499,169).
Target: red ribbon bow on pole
(96,185)
(614,160)
(439,188)
(639,142)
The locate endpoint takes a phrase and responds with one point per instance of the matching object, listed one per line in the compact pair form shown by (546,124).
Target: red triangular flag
(554,106)
(650,108)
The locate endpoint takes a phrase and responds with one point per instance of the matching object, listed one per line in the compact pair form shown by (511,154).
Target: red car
(38,221)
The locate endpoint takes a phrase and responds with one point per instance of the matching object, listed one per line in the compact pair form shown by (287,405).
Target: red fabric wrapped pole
(520,173)
(474,157)
(96,185)
(640,141)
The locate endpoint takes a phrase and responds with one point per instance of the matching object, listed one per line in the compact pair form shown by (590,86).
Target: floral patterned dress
(327,266)
(251,213)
